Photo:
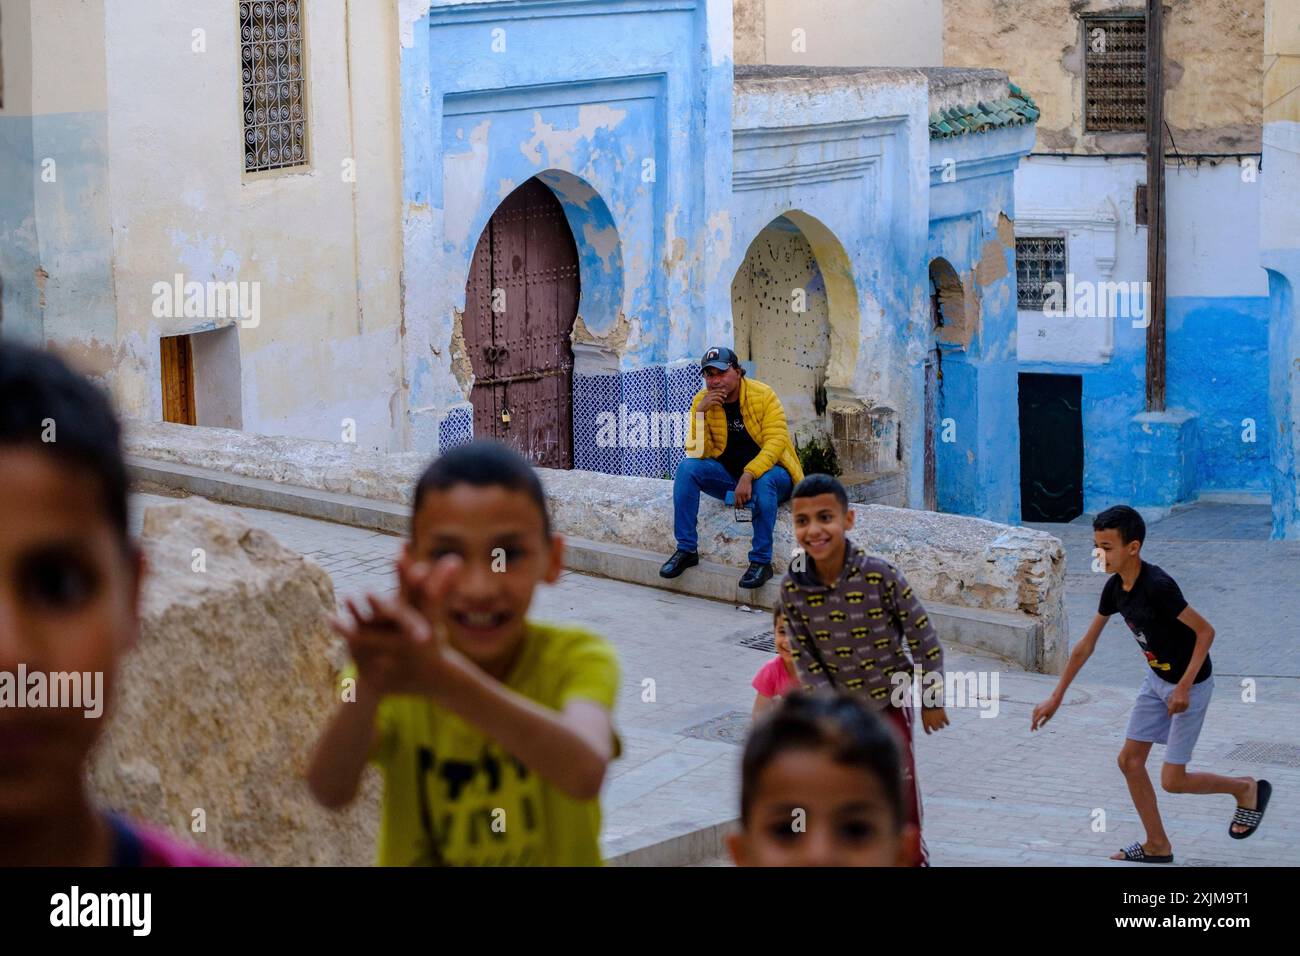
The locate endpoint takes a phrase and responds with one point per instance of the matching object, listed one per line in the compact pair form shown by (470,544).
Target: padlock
(505,415)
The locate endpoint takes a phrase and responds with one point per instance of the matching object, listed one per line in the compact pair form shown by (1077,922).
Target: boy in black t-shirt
(1171,705)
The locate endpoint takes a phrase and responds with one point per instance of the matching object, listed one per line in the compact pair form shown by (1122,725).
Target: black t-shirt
(1151,612)
(741,449)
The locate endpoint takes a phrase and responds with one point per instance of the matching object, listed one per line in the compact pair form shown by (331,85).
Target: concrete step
(689,846)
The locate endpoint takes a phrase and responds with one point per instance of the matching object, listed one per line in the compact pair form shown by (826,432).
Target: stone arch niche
(951,392)
(952,309)
(947,313)
(794,314)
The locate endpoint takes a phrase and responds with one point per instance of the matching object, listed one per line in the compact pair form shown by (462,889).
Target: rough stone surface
(1213,66)
(953,559)
(327,466)
(964,87)
(219,704)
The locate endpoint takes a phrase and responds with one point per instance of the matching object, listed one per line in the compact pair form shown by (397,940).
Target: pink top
(144,846)
(773,680)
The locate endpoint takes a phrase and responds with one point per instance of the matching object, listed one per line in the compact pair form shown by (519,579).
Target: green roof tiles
(1017,109)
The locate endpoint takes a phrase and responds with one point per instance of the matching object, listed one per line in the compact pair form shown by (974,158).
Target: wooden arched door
(520,303)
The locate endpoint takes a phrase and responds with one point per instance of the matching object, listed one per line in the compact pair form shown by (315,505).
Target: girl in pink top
(776,678)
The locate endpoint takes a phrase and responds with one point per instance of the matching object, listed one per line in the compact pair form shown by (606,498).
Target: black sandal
(1133,853)
(1251,818)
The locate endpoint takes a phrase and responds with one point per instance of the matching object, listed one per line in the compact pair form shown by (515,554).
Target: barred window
(1115,74)
(1040,260)
(275,89)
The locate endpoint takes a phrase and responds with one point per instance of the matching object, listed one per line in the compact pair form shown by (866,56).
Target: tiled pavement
(1245,585)
(994,793)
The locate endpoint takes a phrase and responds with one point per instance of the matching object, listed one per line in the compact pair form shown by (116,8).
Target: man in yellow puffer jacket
(738,441)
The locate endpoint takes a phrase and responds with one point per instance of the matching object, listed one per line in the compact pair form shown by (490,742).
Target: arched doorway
(781,318)
(947,305)
(520,302)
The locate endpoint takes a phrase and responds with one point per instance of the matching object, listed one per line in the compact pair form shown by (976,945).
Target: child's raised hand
(379,636)
(400,644)
(424,586)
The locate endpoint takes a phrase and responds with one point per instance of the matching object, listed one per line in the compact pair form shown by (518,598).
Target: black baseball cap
(719,358)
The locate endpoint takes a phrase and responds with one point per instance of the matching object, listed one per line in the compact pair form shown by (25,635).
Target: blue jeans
(707,475)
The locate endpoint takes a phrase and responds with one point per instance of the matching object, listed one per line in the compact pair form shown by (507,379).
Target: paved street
(1245,585)
(994,793)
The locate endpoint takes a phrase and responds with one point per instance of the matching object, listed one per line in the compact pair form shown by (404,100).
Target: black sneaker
(679,562)
(756,576)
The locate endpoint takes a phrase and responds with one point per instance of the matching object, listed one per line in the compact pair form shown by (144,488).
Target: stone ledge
(951,560)
(274,496)
(1013,636)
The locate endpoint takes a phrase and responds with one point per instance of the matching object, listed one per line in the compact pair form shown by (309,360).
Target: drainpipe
(1155,377)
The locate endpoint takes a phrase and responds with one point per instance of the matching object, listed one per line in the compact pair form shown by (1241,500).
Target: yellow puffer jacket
(765,422)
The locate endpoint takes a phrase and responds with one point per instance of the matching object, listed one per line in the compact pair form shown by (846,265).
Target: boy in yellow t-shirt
(493,732)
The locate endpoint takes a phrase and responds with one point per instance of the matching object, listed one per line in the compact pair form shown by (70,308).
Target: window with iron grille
(1040,260)
(1115,74)
(275,87)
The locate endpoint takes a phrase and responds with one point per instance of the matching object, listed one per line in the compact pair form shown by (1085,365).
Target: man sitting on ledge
(744,447)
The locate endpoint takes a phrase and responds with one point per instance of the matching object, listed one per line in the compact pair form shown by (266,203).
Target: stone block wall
(866,439)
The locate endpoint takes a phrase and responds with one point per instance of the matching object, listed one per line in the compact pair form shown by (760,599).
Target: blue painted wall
(55,217)
(75,232)
(19,255)
(614,105)
(1283,362)
(493,94)
(979,472)
(1216,369)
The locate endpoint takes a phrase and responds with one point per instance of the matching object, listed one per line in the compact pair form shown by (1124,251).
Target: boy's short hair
(483,464)
(46,406)
(818,484)
(1123,519)
(842,726)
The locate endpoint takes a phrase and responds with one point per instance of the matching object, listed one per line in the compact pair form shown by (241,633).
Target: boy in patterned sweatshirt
(855,623)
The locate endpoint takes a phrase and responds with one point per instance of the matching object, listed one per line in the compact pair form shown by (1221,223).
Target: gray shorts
(1150,720)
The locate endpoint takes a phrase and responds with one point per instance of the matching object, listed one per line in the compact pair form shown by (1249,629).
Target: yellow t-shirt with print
(454,797)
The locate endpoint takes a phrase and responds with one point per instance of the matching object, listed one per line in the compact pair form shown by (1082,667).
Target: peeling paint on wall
(992,266)
(462,367)
(559,144)
(615,340)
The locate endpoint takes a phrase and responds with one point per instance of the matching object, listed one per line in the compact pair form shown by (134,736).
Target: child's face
(841,810)
(820,524)
(69,596)
(499,536)
(1116,553)
(782,640)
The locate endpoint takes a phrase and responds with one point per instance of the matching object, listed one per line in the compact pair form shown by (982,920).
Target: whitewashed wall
(325,251)
(1212,239)
(854,32)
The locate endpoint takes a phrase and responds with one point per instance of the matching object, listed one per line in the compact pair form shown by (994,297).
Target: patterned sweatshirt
(851,636)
